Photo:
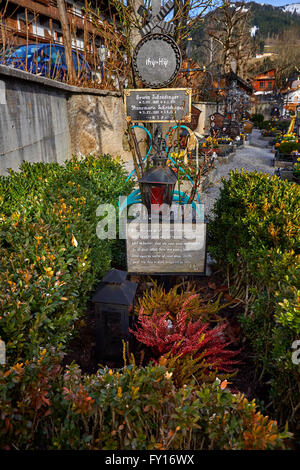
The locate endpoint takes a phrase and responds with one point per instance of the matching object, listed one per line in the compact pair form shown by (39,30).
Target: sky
(277,3)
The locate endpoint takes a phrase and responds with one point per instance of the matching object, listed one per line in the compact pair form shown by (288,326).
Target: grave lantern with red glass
(158,183)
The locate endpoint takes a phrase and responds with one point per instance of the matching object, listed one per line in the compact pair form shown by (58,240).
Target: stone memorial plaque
(157,60)
(152,253)
(164,105)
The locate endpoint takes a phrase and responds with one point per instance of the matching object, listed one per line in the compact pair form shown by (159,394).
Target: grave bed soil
(82,349)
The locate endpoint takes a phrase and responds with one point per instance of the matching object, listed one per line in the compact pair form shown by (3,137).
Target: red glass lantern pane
(157,195)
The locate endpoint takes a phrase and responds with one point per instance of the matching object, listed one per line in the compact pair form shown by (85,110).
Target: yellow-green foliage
(255,236)
(158,300)
(50,255)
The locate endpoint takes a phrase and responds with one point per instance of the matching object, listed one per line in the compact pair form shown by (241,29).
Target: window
(261,84)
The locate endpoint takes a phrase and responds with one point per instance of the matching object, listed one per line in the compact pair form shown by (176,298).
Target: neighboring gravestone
(247,126)
(216,120)
(231,128)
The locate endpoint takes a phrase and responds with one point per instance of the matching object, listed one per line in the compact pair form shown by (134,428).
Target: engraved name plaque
(152,253)
(164,105)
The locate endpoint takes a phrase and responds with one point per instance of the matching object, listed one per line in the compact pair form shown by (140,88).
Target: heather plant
(197,306)
(132,408)
(186,343)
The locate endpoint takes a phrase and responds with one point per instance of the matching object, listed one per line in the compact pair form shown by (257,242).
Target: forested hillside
(272,30)
(272,21)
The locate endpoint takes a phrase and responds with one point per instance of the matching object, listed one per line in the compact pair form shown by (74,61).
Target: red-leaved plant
(182,338)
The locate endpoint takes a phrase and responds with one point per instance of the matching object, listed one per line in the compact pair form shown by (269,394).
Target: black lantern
(158,183)
(114,300)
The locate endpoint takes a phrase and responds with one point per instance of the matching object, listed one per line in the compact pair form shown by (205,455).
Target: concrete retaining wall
(44,120)
(33,123)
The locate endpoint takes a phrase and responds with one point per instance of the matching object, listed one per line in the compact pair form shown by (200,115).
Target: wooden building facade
(38,21)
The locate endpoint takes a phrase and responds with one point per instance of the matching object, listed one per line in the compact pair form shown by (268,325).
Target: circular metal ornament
(157,60)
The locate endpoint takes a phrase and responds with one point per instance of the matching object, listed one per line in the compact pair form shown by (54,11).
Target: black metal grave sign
(157,60)
(163,105)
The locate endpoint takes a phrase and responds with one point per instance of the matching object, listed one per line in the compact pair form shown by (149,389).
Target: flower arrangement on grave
(212,142)
(270,131)
(224,140)
(288,145)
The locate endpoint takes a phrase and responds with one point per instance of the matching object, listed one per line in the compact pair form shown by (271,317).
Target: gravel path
(255,156)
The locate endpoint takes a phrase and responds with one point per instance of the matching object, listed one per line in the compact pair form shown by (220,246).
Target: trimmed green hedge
(254,235)
(50,256)
(131,409)
(50,259)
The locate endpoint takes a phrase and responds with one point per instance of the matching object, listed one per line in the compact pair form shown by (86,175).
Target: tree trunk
(135,35)
(67,38)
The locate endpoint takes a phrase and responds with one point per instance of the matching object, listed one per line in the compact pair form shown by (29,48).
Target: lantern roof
(115,276)
(115,289)
(160,175)
(118,294)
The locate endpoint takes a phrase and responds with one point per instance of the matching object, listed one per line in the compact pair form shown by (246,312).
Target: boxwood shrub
(254,234)
(50,255)
(44,407)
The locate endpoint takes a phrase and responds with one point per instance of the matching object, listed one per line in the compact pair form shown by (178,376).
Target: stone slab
(154,253)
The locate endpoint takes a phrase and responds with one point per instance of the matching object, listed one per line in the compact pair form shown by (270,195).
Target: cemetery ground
(255,156)
(184,385)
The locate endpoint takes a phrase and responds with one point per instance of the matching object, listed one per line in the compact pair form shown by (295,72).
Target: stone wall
(45,120)
(96,124)
(264,105)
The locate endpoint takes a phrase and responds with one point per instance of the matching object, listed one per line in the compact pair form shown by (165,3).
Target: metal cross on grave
(156,23)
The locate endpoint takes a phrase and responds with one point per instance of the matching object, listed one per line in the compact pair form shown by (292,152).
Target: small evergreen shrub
(254,234)
(133,408)
(50,255)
